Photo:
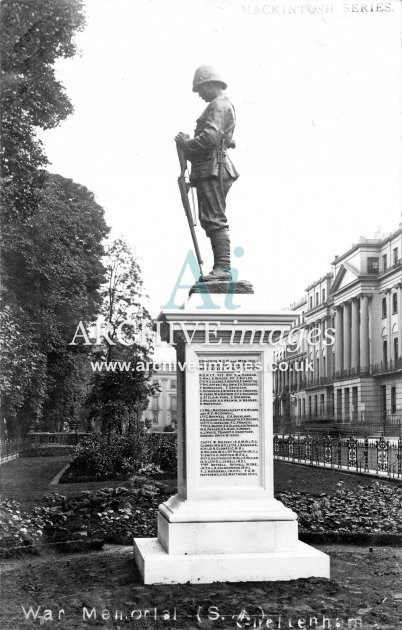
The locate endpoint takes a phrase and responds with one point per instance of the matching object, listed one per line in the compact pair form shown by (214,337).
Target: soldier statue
(212,171)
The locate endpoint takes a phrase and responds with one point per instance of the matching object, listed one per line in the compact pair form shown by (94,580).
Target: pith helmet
(206,74)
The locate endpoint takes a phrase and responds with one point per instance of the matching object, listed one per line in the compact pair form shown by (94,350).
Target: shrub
(97,458)
(163,451)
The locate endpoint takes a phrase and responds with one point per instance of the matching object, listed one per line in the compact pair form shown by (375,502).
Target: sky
(317,93)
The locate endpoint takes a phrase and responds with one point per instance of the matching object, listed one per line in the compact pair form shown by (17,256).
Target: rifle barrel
(186,203)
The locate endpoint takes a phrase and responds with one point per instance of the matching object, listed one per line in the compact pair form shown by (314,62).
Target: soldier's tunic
(212,171)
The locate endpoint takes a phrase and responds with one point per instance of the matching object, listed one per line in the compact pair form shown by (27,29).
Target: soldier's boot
(220,242)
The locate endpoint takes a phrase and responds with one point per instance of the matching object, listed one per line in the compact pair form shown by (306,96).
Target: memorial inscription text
(229,417)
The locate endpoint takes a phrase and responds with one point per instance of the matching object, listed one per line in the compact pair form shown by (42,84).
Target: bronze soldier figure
(212,171)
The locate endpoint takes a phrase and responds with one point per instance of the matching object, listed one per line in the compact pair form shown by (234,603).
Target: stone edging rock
(352,538)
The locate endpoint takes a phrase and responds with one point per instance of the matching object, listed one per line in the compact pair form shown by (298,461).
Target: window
(372,265)
(173,403)
(384,399)
(396,349)
(384,307)
(339,404)
(317,298)
(155,402)
(394,303)
(172,384)
(384,262)
(395,256)
(385,352)
(323,295)
(393,399)
(346,409)
(311,302)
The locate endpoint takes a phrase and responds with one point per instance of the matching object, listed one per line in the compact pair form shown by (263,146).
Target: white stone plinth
(159,567)
(227,537)
(224,524)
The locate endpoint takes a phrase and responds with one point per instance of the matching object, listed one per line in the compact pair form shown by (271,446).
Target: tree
(55,262)
(23,373)
(38,266)
(56,265)
(117,397)
(35,33)
(123,299)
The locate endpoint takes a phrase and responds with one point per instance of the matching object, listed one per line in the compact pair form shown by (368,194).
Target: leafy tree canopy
(35,33)
(117,397)
(55,271)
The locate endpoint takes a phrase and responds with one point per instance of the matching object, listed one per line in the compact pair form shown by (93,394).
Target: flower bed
(370,514)
(114,515)
(78,523)
(374,509)
(20,532)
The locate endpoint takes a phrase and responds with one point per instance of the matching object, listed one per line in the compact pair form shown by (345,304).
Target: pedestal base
(215,287)
(159,567)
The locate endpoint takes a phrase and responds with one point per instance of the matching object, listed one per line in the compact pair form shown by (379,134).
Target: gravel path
(363,583)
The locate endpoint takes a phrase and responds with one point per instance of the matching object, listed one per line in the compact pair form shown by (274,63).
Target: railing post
(352,452)
(339,451)
(276,445)
(291,447)
(366,453)
(328,450)
(382,454)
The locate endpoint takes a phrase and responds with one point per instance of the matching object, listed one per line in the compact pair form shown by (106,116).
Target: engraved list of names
(229,416)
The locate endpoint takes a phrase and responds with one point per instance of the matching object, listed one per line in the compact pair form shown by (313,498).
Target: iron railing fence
(392,365)
(35,442)
(10,448)
(44,437)
(362,455)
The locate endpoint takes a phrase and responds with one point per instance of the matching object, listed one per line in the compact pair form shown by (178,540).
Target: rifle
(184,186)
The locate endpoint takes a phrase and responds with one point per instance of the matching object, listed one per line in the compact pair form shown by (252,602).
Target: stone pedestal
(224,523)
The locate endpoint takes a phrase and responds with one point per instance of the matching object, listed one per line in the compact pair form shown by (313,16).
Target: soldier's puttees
(212,171)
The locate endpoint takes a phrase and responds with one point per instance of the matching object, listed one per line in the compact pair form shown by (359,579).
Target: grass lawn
(297,478)
(27,479)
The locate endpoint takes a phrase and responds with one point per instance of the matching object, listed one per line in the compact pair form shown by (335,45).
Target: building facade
(350,334)
(162,407)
